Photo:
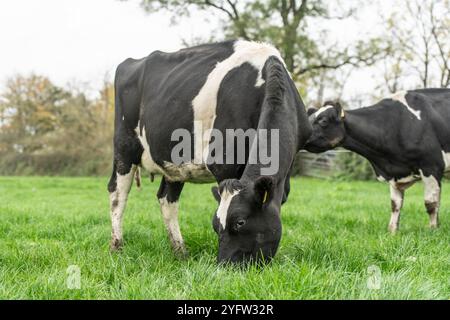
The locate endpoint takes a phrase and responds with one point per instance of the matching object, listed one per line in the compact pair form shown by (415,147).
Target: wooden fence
(321,165)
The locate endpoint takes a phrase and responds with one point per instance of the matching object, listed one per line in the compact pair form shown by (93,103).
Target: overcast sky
(81,40)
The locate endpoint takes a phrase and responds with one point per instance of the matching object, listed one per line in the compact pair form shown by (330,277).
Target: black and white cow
(229,85)
(406,138)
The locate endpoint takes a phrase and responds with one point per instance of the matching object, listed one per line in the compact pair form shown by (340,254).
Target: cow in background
(406,138)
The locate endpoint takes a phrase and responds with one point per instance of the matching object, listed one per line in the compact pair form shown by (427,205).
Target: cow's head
(328,127)
(247,221)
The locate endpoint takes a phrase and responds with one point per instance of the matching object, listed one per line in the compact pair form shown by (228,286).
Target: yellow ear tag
(265,197)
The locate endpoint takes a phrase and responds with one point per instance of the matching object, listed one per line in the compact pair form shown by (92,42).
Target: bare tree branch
(445,68)
(211,4)
(234,8)
(355,61)
(233,15)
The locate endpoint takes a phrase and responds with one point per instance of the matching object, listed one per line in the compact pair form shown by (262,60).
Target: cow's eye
(323,122)
(240,223)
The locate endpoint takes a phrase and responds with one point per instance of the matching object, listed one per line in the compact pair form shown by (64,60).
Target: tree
(47,129)
(29,108)
(440,29)
(286,24)
(422,57)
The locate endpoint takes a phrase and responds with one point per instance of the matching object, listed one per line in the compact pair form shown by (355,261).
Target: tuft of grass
(334,232)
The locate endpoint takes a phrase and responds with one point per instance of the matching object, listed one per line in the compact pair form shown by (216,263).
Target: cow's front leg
(432,198)
(168,196)
(119,186)
(397,196)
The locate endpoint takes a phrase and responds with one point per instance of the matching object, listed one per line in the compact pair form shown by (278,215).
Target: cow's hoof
(181,253)
(392,229)
(434,226)
(116,245)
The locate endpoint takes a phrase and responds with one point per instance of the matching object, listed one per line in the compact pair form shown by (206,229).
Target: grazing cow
(406,138)
(204,89)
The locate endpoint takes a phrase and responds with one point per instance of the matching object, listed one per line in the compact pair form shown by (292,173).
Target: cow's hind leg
(397,198)
(432,198)
(119,186)
(168,196)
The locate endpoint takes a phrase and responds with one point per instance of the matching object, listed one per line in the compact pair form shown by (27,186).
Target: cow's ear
(216,194)
(264,187)
(311,111)
(215,223)
(339,109)
(337,106)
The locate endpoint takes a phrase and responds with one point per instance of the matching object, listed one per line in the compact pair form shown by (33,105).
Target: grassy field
(333,235)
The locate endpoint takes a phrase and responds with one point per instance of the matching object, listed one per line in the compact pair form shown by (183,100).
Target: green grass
(332,232)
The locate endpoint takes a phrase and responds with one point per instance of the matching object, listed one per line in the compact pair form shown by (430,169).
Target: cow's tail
(275,82)
(118,108)
(137,178)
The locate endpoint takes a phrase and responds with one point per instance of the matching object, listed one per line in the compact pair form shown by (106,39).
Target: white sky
(81,40)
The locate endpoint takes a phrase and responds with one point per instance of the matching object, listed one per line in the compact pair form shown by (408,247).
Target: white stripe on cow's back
(225,200)
(322,109)
(205,103)
(401,97)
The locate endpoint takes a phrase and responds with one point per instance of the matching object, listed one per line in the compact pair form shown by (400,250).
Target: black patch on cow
(393,206)
(170,84)
(238,106)
(115,203)
(112,184)
(431,207)
(169,190)
(216,194)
